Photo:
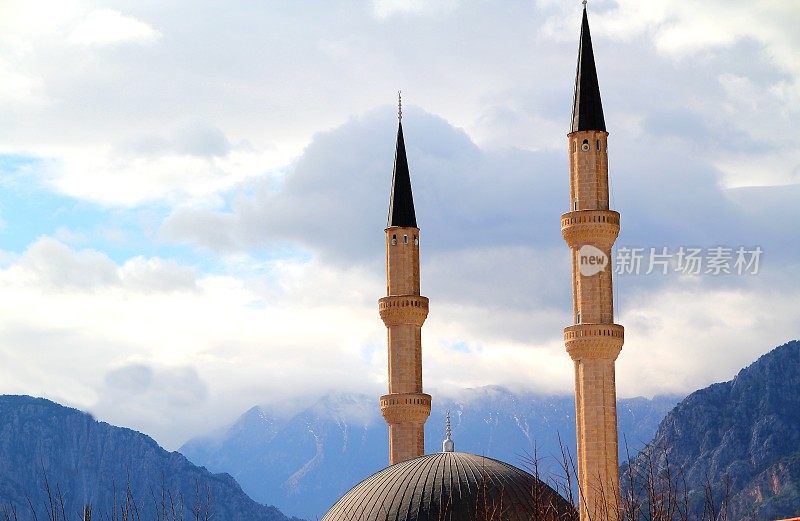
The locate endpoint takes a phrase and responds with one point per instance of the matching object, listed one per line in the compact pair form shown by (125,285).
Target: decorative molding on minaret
(593,341)
(403,310)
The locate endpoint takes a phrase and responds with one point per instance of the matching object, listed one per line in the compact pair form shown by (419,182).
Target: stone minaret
(403,311)
(594,341)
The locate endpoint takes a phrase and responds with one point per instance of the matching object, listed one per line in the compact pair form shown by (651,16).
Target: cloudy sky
(193,194)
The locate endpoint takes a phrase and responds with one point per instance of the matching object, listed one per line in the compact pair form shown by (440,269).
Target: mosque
(457,486)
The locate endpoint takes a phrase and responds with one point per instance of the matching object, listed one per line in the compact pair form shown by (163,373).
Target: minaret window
(598,145)
(394,240)
(575,205)
(585,146)
(405,239)
(578,317)
(416,241)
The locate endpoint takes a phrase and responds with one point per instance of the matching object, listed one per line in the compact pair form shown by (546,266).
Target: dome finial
(447,444)
(399,105)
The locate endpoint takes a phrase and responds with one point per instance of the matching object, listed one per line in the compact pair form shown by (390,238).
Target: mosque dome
(451,486)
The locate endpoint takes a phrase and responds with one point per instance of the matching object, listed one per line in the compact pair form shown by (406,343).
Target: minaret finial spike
(447,444)
(584,4)
(400,105)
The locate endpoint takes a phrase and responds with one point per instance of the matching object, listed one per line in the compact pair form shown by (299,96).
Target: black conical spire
(587,109)
(401,201)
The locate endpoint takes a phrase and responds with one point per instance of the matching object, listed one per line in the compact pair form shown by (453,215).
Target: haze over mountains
(305,462)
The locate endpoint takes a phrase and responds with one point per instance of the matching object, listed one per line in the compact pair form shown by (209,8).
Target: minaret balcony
(594,340)
(406,407)
(597,227)
(403,309)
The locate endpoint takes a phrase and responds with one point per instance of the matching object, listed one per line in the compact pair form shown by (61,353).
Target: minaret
(403,311)
(594,341)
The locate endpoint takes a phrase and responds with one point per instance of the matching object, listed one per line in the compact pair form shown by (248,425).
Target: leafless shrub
(655,489)
(166,505)
(652,489)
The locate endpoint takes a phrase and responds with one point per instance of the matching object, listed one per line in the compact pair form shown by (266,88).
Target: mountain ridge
(83,460)
(319,453)
(743,434)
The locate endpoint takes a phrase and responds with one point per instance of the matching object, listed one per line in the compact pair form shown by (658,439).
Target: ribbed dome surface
(451,486)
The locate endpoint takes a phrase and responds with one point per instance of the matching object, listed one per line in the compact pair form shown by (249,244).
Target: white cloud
(156,275)
(247,340)
(181,362)
(679,27)
(504,75)
(110,27)
(52,266)
(19,88)
(697,96)
(682,339)
(387,8)
(115,176)
(135,387)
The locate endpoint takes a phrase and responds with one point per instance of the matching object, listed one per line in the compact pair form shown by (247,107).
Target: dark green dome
(451,486)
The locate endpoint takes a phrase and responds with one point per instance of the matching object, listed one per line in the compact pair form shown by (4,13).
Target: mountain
(87,461)
(739,439)
(305,462)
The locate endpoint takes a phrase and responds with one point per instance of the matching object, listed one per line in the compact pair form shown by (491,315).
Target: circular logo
(591,260)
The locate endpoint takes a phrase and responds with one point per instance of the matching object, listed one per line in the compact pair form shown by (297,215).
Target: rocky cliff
(739,440)
(45,445)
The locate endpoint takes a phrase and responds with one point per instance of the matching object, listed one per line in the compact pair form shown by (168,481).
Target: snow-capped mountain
(305,462)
